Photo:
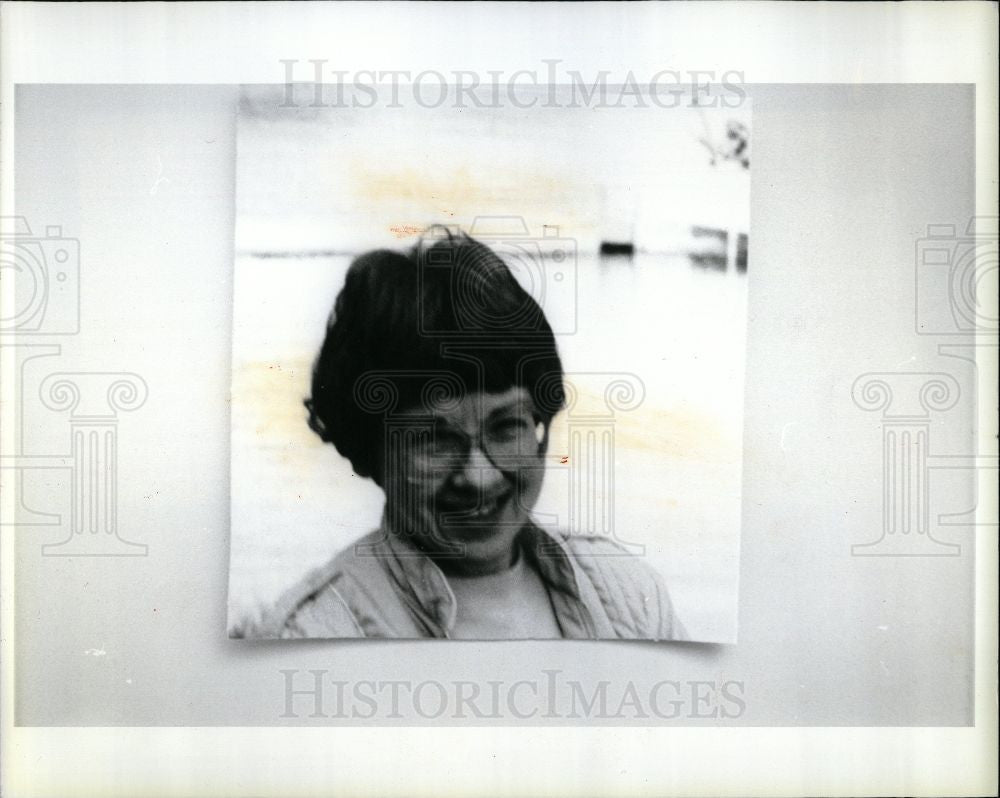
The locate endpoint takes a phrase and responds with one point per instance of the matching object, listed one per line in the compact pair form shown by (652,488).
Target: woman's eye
(508,429)
(446,443)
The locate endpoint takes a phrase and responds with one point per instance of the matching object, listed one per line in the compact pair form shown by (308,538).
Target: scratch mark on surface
(159,177)
(784,432)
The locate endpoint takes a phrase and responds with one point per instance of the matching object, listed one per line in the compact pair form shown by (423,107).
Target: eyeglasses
(508,441)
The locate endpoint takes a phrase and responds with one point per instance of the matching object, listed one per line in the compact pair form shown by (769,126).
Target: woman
(439,378)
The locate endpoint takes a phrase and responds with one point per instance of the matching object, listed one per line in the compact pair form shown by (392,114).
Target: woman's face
(462,476)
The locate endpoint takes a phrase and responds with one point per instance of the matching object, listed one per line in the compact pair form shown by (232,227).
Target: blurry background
(628,225)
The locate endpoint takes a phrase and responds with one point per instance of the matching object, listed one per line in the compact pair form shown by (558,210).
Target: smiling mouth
(488,509)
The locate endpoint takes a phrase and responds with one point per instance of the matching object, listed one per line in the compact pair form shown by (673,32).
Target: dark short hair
(446,316)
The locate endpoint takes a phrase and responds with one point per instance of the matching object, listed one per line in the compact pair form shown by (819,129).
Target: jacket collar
(426,590)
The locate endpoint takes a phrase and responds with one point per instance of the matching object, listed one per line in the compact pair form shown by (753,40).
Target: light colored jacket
(381,586)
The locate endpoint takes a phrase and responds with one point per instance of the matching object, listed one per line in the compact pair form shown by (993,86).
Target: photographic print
(488,364)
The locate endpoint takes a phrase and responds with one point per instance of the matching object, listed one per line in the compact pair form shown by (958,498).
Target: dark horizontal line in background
(339,253)
(300,253)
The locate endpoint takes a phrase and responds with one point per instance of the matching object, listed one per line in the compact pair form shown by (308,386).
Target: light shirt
(510,605)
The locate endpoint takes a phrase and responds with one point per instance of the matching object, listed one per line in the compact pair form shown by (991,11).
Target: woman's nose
(479,472)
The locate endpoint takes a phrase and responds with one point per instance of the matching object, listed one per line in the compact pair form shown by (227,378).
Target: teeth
(486,510)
